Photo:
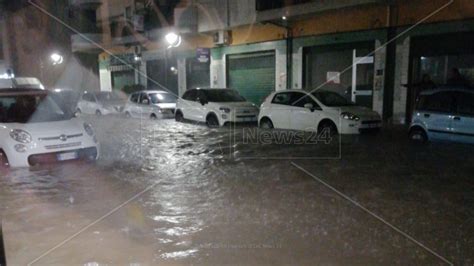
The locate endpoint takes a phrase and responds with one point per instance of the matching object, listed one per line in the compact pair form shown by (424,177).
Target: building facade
(371,51)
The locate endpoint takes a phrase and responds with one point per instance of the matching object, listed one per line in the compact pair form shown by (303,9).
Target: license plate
(67,156)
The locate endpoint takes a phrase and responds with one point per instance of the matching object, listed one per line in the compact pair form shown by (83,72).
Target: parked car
(151,104)
(215,107)
(446,113)
(35,130)
(316,111)
(101,103)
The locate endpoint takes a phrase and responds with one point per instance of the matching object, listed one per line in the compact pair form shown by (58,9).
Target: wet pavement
(173,193)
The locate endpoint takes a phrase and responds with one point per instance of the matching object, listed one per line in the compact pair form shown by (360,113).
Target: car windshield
(157,98)
(31,108)
(108,97)
(224,95)
(332,99)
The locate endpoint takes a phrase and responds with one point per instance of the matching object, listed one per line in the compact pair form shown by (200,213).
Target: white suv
(35,130)
(216,107)
(317,111)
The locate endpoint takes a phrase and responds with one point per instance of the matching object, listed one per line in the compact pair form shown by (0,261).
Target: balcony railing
(86,42)
(86,3)
(269,10)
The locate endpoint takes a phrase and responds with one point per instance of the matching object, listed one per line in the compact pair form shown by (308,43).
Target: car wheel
(328,127)
(153,117)
(179,116)
(98,113)
(418,135)
(128,115)
(212,121)
(266,123)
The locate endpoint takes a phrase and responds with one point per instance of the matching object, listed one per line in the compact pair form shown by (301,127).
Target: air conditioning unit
(223,37)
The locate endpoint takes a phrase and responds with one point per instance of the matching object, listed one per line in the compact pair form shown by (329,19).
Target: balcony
(274,10)
(86,4)
(86,42)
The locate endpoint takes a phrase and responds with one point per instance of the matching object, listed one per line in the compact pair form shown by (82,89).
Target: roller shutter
(253,75)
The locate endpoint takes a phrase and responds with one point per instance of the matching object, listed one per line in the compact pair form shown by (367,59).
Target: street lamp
(56,58)
(173,39)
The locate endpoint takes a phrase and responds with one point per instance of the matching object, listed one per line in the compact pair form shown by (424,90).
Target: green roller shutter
(253,75)
(123,78)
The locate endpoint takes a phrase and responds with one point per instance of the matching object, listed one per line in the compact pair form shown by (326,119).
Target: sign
(203,55)
(333,77)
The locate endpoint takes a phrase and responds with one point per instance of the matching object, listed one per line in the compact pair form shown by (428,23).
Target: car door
(436,112)
(86,103)
(302,118)
(201,106)
(143,106)
(188,104)
(281,110)
(131,107)
(463,120)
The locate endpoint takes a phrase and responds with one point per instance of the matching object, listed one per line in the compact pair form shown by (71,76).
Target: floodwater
(178,193)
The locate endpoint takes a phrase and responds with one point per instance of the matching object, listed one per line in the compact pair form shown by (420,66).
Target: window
(143,97)
(222,96)
(190,95)
(134,98)
(88,97)
(465,103)
(301,99)
(282,98)
(162,98)
(441,102)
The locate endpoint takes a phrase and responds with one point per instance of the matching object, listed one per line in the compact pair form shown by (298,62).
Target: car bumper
(44,153)
(354,128)
(250,118)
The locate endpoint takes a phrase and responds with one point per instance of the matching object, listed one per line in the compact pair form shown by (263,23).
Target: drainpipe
(390,63)
(289,58)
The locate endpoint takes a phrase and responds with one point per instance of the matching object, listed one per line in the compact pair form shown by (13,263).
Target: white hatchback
(101,103)
(215,107)
(35,130)
(301,110)
(150,104)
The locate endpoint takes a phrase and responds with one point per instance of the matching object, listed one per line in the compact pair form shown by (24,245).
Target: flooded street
(178,193)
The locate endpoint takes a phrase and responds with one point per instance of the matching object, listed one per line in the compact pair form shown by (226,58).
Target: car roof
(447,89)
(151,91)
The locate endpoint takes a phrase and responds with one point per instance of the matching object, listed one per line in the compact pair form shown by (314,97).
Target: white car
(150,104)
(35,130)
(100,103)
(301,110)
(215,107)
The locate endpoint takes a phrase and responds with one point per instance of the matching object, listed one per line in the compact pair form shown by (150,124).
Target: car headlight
(350,116)
(225,110)
(88,129)
(20,136)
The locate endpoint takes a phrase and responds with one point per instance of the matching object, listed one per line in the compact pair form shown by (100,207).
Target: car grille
(62,146)
(167,111)
(61,137)
(48,158)
(367,122)
(246,112)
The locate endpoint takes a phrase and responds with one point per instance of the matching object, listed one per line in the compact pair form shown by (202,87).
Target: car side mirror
(309,106)
(145,101)
(203,101)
